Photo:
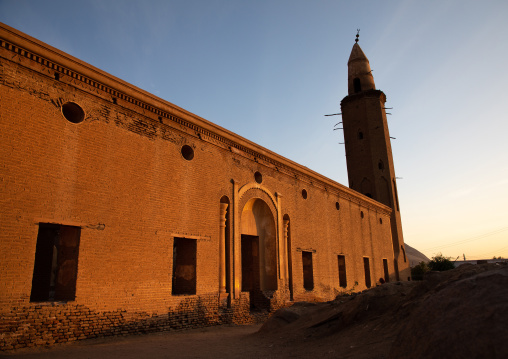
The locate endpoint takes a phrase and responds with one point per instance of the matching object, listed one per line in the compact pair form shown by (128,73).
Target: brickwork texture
(124,175)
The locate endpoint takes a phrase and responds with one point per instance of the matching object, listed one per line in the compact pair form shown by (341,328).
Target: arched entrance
(259,253)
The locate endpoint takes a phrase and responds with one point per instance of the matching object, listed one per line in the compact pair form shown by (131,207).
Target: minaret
(368,149)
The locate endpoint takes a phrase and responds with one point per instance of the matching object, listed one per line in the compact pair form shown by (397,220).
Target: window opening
(337,205)
(366,267)
(187,152)
(258,177)
(56,263)
(360,135)
(184,266)
(381,165)
(304,194)
(308,275)
(385,267)
(73,112)
(342,271)
(357,85)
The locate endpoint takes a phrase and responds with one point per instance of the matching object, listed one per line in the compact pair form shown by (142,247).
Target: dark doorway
(250,263)
(250,273)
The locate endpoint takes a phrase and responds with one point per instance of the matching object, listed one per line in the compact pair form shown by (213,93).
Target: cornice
(52,59)
(378,94)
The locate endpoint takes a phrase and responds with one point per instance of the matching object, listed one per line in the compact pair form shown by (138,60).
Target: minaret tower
(368,149)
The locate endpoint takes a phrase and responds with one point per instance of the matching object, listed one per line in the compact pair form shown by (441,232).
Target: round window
(73,112)
(187,152)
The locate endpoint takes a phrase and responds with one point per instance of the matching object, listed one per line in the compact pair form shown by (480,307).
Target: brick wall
(121,178)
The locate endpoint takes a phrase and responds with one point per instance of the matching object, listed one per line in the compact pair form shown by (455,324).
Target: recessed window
(337,205)
(308,272)
(258,177)
(381,165)
(357,85)
(380,221)
(56,263)
(360,135)
(361,214)
(184,266)
(366,268)
(304,194)
(342,271)
(385,269)
(187,152)
(73,112)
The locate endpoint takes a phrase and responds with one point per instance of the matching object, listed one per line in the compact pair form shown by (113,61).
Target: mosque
(124,213)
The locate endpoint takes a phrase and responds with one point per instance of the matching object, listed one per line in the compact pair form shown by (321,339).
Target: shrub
(441,263)
(419,270)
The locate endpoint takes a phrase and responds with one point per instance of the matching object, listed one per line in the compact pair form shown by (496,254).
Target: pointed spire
(359,73)
(357,54)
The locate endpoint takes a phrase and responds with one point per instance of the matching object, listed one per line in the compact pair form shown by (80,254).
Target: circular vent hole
(187,152)
(73,112)
(304,194)
(258,177)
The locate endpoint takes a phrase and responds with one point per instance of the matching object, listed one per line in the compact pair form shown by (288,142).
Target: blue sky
(270,70)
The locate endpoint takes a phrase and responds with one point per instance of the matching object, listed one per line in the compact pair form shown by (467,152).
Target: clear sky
(269,70)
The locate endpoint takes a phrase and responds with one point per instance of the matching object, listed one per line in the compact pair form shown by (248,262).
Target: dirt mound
(459,318)
(459,313)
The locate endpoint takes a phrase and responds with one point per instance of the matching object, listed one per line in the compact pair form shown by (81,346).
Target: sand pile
(462,313)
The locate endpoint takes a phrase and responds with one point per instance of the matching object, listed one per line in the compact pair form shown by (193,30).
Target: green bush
(441,263)
(419,270)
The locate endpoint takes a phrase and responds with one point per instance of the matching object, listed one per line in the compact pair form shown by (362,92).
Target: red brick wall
(120,176)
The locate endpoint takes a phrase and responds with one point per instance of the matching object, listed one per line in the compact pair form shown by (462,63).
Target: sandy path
(214,342)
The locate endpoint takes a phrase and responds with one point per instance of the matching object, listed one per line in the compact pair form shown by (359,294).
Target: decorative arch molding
(254,187)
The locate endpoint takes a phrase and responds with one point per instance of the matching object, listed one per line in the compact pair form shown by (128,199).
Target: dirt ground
(462,313)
